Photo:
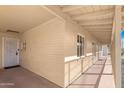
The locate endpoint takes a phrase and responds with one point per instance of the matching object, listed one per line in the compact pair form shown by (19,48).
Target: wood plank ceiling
(97,19)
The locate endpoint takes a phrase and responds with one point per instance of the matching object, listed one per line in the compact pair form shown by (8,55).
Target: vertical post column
(118,45)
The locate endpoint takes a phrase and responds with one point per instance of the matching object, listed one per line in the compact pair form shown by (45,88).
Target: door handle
(16,53)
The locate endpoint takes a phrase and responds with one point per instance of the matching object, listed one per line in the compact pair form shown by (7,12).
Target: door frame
(3,47)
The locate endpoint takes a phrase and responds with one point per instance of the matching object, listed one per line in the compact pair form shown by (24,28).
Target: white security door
(11,52)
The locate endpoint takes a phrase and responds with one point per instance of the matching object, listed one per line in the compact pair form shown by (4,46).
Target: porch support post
(118,45)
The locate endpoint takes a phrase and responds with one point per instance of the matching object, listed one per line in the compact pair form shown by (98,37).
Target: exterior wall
(5,35)
(87,62)
(48,44)
(76,67)
(44,53)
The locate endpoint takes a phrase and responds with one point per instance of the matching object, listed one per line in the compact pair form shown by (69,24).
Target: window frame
(79,45)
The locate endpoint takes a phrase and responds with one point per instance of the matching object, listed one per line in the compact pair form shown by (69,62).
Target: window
(80,46)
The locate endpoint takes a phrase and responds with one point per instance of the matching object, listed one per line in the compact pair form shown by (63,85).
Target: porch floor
(21,78)
(98,76)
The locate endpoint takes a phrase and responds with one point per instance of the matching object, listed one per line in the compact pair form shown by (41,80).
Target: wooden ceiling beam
(100,19)
(95,15)
(71,8)
(95,23)
(98,26)
(98,30)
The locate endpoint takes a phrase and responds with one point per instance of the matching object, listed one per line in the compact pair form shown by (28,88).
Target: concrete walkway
(22,78)
(98,76)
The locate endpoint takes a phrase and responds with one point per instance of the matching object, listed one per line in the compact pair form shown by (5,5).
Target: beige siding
(87,62)
(44,53)
(74,68)
(89,46)
(72,71)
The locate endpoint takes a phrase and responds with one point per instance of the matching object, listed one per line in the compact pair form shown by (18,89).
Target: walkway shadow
(94,76)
